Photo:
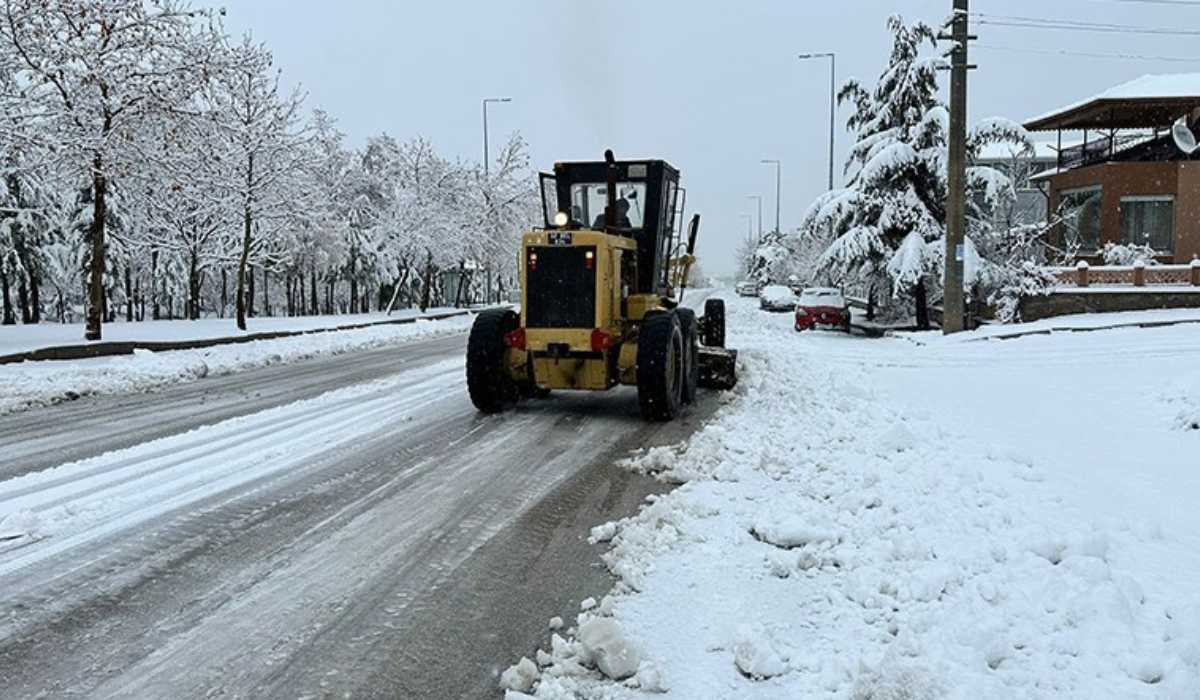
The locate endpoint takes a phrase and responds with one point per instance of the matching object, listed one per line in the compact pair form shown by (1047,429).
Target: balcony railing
(1098,150)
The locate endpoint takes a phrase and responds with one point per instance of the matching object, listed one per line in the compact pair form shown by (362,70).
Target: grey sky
(712,87)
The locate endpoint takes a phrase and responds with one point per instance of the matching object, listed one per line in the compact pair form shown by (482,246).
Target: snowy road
(341,525)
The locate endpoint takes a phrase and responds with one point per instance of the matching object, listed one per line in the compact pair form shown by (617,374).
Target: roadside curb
(127,347)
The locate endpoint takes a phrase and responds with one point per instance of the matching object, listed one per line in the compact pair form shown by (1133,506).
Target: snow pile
(30,384)
(829,541)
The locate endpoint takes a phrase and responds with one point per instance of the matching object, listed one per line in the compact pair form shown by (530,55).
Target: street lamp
(778,169)
(759,198)
(486,157)
(832,100)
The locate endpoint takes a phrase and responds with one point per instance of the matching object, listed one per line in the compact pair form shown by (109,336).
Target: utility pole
(832,101)
(953,304)
(778,169)
(759,198)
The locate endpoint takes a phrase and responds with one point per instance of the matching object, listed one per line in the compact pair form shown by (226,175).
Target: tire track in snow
(89,500)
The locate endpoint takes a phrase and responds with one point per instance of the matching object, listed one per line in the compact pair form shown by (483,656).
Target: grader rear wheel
(491,388)
(660,367)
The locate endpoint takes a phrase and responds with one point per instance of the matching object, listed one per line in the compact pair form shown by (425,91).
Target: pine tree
(885,229)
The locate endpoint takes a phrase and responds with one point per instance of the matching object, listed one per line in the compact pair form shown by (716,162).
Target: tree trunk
(35,295)
(128,295)
(95,310)
(22,297)
(316,309)
(154,311)
(250,292)
(193,286)
(224,291)
(428,281)
(266,293)
(243,263)
(922,305)
(353,282)
(9,319)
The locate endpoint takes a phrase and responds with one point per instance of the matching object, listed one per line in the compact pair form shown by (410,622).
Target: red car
(822,306)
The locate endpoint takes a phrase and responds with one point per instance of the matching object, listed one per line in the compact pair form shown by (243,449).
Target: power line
(1088,54)
(1075,25)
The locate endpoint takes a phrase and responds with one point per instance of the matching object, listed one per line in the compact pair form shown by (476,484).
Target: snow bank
(832,541)
(29,384)
(14,339)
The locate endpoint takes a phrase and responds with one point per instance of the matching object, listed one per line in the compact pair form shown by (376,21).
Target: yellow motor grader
(600,289)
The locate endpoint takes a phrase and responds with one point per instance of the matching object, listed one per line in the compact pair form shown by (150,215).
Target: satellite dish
(1185,139)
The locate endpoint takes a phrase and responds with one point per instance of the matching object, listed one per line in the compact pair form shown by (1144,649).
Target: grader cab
(601,284)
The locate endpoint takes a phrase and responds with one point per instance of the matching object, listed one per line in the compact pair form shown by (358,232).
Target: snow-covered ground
(27,384)
(14,339)
(1073,322)
(885,519)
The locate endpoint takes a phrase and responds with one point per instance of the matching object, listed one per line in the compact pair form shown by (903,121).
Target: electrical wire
(1088,54)
(1073,25)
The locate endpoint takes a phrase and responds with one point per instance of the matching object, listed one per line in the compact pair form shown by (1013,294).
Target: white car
(747,289)
(777,297)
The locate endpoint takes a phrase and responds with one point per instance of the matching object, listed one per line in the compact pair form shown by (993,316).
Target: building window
(1080,210)
(1149,221)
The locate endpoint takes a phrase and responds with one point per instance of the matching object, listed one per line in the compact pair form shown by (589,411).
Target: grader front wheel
(661,367)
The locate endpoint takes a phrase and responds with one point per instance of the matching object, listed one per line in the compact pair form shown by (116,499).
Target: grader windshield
(589,199)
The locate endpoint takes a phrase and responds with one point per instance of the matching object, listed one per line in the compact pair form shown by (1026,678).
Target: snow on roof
(1147,87)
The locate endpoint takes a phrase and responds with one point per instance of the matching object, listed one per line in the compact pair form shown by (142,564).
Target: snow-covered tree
(88,75)
(261,142)
(886,228)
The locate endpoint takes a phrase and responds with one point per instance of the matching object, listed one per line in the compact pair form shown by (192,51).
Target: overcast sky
(712,87)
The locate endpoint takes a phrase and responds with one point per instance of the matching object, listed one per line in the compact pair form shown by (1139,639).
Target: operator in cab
(622,216)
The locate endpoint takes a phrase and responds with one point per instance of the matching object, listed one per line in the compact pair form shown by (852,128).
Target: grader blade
(718,368)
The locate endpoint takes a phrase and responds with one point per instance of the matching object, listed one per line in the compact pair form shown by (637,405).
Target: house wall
(1180,179)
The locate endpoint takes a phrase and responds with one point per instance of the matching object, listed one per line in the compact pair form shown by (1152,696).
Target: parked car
(776,297)
(822,306)
(747,288)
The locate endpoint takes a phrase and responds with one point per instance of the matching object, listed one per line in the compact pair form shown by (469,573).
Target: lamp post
(759,198)
(487,100)
(778,169)
(749,226)
(832,100)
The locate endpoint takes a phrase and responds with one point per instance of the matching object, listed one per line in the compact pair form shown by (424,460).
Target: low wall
(1098,300)
(123,347)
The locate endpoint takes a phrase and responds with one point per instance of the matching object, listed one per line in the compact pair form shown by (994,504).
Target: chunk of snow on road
(789,530)
(755,655)
(603,533)
(556,623)
(587,604)
(608,648)
(520,676)
(650,678)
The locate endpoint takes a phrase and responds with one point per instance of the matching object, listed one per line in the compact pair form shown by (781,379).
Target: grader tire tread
(659,389)
(690,328)
(488,383)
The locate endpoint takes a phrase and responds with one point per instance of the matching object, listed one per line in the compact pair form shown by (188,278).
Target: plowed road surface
(347,525)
